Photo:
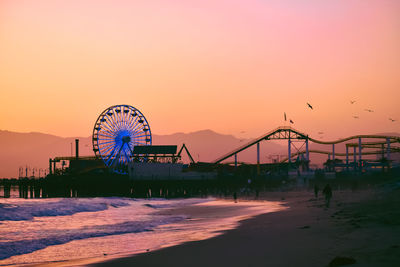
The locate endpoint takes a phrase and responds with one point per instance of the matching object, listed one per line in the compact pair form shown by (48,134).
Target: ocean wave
(175,203)
(9,249)
(20,211)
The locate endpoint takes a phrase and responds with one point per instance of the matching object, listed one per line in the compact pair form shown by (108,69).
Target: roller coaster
(384,147)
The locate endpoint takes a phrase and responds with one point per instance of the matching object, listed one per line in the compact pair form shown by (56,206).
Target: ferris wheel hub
(126,139)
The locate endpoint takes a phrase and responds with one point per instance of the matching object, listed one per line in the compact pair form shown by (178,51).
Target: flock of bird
(312,108)
(351,102)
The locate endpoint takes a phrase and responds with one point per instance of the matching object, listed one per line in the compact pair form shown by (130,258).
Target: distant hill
(35,149)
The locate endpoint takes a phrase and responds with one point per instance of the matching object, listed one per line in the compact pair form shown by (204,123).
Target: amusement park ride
(121,138)
(122,142)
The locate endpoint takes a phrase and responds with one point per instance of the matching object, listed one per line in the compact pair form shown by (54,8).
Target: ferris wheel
(116,132)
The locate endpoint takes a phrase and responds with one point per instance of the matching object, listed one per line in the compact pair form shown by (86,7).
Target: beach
(360,227)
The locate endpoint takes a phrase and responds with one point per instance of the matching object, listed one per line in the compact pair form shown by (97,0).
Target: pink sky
(230,66)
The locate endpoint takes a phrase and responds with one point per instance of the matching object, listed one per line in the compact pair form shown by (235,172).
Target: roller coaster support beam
(333,152)
(236,160)
(359,152)
(258,158)
(289,150)
(388,149)
(187,152)
(355,157)
(307,153)
(347,158)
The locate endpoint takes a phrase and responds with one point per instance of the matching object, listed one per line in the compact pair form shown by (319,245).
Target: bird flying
(369,110)
(308,104)
(392,120)
(352,101)
(355,117)
(291,121)
(320,132)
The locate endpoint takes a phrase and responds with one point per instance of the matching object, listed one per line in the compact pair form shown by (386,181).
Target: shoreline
(218,215)
(305,234)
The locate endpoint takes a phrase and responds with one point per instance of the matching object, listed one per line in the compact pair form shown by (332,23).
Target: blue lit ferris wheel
(116,132)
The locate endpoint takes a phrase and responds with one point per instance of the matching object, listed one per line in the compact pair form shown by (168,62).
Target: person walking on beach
(316,189)
(234,197)
(328,194)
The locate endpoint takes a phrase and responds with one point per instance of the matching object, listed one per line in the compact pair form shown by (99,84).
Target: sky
(233,66)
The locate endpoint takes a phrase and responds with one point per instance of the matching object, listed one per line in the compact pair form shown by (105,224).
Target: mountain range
(33,150)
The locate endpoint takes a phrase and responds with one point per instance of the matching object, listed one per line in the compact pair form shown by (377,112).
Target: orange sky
(230,66)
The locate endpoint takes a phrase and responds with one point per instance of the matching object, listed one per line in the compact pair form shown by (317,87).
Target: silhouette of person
(235,197)
(328,194)
(316,189)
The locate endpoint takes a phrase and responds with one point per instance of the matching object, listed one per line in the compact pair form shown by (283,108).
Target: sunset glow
(230,66)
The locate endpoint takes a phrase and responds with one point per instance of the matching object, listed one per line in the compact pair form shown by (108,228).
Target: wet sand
(363,226)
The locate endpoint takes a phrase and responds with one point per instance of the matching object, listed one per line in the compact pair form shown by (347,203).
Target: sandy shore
(362,226)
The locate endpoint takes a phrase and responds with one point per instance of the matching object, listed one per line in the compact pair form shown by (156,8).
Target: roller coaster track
(286,132)
(394,139)
(393,150)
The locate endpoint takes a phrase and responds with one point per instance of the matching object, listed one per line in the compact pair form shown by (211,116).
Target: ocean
(65,229)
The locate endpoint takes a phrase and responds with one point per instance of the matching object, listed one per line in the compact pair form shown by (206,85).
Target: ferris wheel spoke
(124,121)
(106,138)
(106,146)
(106,134)
(118,117)
(111,126)
(125,117)
(126,156)
(139,143)
(107,149)
(117,156)
(132,121)
(130,148)
(133,128)
(139,136)
(108,142)
(109,155)
(113,120)
(113,156)
(138,130)
(107,131)
(102,139)
(108,128)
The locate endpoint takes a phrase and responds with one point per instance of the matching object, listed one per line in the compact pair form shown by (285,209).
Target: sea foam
(19,211)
